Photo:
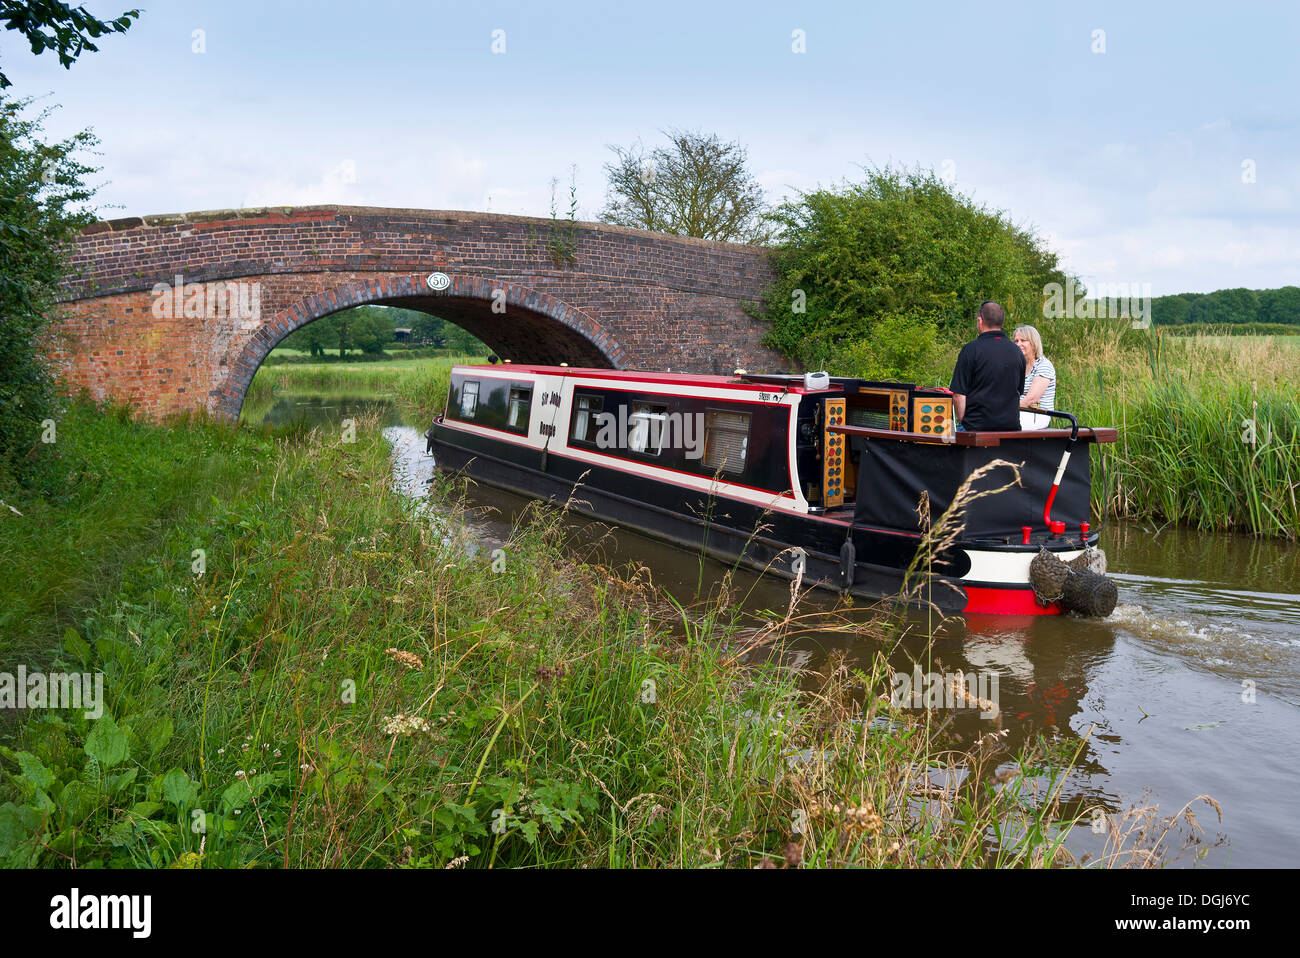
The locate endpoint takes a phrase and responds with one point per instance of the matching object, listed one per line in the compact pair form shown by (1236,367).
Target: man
(987,380)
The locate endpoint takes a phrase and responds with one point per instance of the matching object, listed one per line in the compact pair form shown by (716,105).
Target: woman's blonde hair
(1035,340)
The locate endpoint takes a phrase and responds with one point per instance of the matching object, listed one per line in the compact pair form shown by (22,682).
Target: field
(1285,342)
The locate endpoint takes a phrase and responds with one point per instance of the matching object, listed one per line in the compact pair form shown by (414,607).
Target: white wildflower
(401,724)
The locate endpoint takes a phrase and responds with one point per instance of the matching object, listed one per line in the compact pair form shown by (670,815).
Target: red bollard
(1024,534)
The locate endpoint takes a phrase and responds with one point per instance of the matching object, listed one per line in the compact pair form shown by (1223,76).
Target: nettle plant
(78,794)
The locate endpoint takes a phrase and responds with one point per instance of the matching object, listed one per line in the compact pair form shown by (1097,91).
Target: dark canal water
(1191,687)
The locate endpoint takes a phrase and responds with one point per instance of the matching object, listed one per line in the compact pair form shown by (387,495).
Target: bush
(42,208)
(900,347)
(902,247)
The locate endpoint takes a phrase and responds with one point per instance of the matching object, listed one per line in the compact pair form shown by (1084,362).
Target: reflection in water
(1190,688)
(291,409)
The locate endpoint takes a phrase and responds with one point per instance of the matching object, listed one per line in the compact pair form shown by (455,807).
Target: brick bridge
(247,278)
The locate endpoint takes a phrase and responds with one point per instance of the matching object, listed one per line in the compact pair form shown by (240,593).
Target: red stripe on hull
(986,601)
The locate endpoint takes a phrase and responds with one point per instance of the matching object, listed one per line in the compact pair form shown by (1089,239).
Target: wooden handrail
(1086,434)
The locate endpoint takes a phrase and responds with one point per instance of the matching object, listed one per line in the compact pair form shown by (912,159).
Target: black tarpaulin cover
(892,473)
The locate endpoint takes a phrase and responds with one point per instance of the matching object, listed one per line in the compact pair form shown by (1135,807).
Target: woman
(1040,378)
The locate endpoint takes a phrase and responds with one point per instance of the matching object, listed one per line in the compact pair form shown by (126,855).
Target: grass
(420,385)
(348,684)
(114,487)
(1290,342)
(1209,425)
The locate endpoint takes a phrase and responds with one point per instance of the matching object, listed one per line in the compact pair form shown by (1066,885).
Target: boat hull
(770,541)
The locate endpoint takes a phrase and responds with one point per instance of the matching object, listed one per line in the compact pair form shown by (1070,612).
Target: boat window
(726,441)
(648,424)
(586,417)
(468,399)
(520,398)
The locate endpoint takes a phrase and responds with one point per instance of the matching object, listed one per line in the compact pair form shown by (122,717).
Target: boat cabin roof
(751,382)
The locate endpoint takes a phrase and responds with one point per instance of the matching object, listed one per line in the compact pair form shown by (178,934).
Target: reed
(1210,426)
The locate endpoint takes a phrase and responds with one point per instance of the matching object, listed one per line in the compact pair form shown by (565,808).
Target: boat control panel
(828,461)
(833,459)
(933,415)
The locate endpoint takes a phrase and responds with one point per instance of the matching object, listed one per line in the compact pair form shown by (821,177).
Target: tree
(1170,310)
(52,25)
(697,186)
(42,207)
(891,257)
(1280,305)
(372,329)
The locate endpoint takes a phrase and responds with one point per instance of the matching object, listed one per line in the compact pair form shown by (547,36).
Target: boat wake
(1241,635)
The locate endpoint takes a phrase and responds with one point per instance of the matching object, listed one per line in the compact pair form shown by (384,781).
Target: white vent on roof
(817,380)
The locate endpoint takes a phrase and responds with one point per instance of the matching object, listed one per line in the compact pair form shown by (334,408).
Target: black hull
(724,529)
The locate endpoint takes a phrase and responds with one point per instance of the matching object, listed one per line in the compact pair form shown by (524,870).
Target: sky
(1150,143)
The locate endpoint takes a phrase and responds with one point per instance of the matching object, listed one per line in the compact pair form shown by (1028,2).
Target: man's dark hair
(992,314)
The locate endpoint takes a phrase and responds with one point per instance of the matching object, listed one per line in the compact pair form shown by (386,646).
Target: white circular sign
(438,281)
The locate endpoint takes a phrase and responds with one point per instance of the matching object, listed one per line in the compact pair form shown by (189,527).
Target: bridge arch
(514,320)
(618,297)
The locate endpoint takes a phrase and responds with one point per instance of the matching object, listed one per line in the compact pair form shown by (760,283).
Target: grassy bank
(107,489)
(347,684)
(1209,425)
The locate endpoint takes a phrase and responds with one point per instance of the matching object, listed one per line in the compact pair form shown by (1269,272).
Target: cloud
(1190,255)
(337,184)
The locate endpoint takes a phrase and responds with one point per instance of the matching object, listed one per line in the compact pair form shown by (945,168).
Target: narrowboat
(804,476)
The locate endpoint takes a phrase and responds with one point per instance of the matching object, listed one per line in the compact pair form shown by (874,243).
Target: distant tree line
(1229,307)
(372,330)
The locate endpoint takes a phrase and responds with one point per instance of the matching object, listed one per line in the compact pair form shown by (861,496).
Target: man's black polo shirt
(990,373)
